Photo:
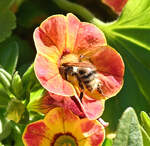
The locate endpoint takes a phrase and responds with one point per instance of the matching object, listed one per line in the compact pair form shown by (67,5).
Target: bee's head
(65,69)
(62,69)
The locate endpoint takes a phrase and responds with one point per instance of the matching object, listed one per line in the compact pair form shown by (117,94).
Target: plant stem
(81,11)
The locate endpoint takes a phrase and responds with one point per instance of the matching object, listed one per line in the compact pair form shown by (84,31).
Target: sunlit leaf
(146,138)
(1,144)
(130,95)
(145,122)
(6,74)
(130,36)
(4,81)
(128,131)
(107,142)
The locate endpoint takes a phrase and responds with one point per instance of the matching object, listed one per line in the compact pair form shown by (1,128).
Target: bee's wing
(81,64)
(87,54)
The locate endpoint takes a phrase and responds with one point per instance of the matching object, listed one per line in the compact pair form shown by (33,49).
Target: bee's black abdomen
(81,71)
(89,87)
(88,75)
(99,89)
(86,81)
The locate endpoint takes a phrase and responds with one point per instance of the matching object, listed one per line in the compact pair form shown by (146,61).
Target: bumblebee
(82,75)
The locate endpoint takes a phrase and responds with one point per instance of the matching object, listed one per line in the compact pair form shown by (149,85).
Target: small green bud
(15,110)
(17,87)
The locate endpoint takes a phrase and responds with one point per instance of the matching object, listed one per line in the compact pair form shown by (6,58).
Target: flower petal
(45,47)
(54,121)
(71,124)
(73,24)
(51,101)
(89,37)
(61,120)
(94,132)
(116,5)
(110,66)
(48,75)
(73,105)
(92,108)
(54,28)
(36,134)
(46,66)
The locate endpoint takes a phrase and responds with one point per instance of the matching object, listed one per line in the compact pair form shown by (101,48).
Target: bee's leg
(81,86)
(81,95)
(68,70)
(66,76)
(99,89)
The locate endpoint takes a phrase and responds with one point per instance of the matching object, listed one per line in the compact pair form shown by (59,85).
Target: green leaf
(24,48)
(129,96)
(4,98)
(5,4)
(17,136)
(8,19)
(146,138)
(29,80)
(17,86)
(4,81)
(6,74)
(130,36)
(28,75)
(25,117)
(35,99)
(31,13)
(145,122)
(1,144)
(128,131)
(107,142)
(5,128)
(9,55)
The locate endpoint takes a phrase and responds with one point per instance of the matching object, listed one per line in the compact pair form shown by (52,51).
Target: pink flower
(64,39)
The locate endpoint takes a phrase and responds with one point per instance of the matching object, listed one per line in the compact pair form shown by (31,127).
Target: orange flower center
(66,139)
(69,58)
